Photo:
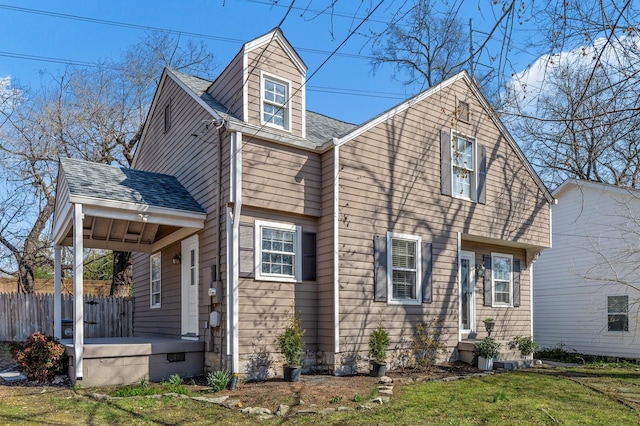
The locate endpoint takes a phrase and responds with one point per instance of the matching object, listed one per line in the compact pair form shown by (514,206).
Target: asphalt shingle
(127,185)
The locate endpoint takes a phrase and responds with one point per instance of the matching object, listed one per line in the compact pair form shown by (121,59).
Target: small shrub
(175,380)
(219,380)
(428,341)
(487,348)
(524,344)
(290,341)
(378,343)
(41,357)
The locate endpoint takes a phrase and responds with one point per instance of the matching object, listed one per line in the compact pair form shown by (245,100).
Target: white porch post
(78,297)
(57,292)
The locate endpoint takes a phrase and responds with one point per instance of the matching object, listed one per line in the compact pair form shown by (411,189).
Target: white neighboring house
(586,287)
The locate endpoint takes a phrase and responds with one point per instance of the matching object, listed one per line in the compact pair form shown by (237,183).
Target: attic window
(463,111)
(275,110)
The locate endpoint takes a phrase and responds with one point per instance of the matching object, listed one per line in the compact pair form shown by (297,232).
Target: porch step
(465,351)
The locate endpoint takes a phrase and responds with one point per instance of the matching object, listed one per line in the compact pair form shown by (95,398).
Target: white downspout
(57,292)
(336,248)
(78,297)
(233,228)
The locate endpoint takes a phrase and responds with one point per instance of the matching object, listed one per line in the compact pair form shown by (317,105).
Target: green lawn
(536,397)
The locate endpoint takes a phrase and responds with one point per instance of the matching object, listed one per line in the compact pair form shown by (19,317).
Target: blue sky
(344,88)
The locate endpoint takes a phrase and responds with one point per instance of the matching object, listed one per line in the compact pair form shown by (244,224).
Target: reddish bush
(41,357)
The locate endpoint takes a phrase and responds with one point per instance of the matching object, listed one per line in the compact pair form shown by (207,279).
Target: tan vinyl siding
(271,59)
(281,178)
(227,88)
(264,305)
(188,151)
(390,181)
(326,326)
(163,321)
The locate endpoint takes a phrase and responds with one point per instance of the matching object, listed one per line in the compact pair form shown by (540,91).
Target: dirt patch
(312,392)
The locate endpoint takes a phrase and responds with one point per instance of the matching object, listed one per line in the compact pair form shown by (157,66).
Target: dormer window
(275,94)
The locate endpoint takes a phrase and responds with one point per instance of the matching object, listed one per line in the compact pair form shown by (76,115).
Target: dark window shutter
(516,282)
(309,267)
(488,299)
(482,174)
(380,268)
(246,232)
(445,162)
(427,287)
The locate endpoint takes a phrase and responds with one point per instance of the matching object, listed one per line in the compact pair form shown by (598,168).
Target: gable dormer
(264,85)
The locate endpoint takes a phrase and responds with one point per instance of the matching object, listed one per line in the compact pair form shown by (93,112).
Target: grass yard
(582,396)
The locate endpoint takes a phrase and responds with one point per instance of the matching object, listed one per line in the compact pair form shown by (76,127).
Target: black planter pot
(291,374)
(377,369)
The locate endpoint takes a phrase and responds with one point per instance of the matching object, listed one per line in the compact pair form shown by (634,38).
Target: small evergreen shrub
(378,343)
(41,357)
(219,380)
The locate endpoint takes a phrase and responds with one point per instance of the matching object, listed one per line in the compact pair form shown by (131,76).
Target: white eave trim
(138,212)
(251,131)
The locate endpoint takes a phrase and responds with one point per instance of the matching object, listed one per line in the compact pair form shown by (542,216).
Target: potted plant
(378,343)
(486,349)
(525,345)
(291,344)
(488,325)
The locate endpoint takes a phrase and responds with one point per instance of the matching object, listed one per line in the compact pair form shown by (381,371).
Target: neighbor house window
(154,273)
(502,285)
(463,171)
(404,271)
(279,256)
(618,313)
(275,110)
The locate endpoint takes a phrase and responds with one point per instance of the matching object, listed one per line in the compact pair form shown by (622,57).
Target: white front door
(467,291)
(190,288)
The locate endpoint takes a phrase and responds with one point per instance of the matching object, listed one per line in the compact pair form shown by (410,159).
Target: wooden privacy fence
(22,314)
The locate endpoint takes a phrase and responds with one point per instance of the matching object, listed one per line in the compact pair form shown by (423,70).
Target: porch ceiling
(123,209)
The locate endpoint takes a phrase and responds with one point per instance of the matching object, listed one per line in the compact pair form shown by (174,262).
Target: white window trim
(287,103)
(607,313)
(493,282)
(259,224)
(152,258)
(473,184)
(418,240)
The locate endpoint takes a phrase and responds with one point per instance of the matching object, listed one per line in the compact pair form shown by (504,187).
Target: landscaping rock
(282,410)
(218,400)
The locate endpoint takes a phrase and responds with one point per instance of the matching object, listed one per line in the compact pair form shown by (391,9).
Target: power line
(319,89)
(160,29)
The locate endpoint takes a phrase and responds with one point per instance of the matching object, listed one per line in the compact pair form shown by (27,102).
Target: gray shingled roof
(127,185)
(320,128)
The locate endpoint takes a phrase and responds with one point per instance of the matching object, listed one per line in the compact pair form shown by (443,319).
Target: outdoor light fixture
(177,258)
(480,270)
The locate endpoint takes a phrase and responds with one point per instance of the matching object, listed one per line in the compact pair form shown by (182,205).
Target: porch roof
(124,209)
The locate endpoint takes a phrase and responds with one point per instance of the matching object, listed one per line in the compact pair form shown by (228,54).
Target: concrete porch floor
(126,360)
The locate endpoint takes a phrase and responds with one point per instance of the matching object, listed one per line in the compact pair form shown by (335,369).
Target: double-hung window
(279,255)
(275,94)
(502,268)
(155,281)
(404,271)
(462,166)
(618,313)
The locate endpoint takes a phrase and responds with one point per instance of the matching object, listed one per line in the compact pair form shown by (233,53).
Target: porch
(125,360)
